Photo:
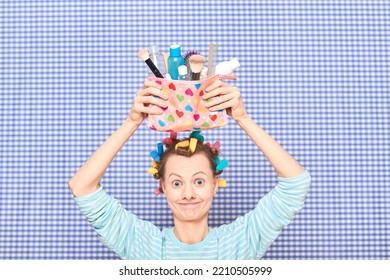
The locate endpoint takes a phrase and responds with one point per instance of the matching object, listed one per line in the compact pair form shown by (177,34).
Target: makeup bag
(186,108)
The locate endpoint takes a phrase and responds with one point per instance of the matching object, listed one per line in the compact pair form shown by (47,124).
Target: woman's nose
(189,192)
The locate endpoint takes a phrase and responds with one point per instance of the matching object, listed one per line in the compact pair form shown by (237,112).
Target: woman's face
(189,186)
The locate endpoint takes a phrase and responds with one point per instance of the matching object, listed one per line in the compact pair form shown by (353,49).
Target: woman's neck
(191,232)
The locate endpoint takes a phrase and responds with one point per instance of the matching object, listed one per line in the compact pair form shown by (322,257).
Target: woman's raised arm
(225,96)
(88,177)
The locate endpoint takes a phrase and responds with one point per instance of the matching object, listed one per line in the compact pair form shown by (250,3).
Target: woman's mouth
(190,204)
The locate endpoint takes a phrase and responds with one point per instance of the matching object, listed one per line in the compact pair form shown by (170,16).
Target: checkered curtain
(314,74)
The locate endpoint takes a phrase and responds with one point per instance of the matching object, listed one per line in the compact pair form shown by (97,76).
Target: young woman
(188,176)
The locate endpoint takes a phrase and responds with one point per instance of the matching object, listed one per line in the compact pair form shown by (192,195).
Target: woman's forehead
(188,165)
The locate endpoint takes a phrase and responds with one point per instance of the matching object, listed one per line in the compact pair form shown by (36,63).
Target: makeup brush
(186,57)
(144,55)
(196,65)
(189,53)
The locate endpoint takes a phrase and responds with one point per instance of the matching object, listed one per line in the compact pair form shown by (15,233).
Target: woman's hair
(186,147)
(186,151)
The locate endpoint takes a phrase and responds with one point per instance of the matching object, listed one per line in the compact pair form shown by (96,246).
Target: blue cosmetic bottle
(175,59)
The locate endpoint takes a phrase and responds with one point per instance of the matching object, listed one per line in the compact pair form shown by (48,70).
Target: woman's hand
(147,95)
(220,95)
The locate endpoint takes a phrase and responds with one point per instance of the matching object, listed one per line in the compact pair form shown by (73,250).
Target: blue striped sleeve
(118,229)
(276,210)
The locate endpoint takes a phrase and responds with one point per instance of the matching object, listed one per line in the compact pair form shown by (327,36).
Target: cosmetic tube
(227,67)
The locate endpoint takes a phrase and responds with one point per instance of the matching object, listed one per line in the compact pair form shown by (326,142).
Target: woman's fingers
(152,91)
(152,88)
(219,100)
(219,91)
(148,83)
(147,95)
(230,103)
(220,95)
(146,100)
(217,83)
(141,108)
(218,88)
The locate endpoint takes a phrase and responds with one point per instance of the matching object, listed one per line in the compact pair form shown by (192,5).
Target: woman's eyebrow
(175,175)
(182,177)
(198,173)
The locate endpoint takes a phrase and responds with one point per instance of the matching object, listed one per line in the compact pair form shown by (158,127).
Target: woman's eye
(199,182)
(176,184)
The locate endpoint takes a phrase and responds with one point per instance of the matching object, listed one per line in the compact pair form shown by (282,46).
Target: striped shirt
(248,237)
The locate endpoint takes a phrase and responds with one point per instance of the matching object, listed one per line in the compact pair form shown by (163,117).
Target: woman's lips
(192,204)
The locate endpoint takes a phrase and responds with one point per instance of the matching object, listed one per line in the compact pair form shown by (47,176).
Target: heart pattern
(172,86)
(189,92)
(165,90)
(202,109)
(189,108)
(180,97)
(179,113)
(186,109)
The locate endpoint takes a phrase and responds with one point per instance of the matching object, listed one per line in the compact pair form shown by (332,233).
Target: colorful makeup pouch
(186,109)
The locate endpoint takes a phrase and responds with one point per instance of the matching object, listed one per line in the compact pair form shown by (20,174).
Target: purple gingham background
(314,74)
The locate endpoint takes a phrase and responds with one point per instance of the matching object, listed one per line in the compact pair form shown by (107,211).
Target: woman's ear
(161,184)
(215,184)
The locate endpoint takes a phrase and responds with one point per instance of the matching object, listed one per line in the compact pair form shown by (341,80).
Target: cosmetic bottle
(183,72)
(158,60)
(175,59)
(227,67)
(203,73)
